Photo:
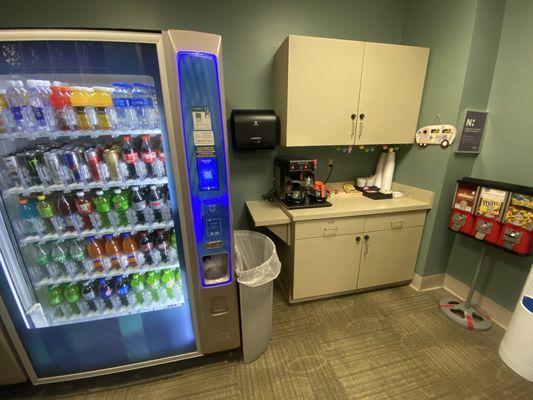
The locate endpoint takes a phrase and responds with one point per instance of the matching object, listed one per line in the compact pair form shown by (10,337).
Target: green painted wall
(506,152)
(450,50)
(252,31)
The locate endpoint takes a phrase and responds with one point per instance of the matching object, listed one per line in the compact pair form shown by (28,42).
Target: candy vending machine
(115,223)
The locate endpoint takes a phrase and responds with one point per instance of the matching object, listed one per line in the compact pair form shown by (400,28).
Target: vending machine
(116,245)
(516,233)
(463,207)
(489,212)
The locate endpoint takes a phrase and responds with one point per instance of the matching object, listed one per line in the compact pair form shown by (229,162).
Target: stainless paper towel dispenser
(254,130)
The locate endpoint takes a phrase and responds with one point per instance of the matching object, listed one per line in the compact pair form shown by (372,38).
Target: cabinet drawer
(328,227)
(394,221)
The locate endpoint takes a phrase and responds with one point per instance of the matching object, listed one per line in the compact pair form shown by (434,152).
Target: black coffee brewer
(295,185)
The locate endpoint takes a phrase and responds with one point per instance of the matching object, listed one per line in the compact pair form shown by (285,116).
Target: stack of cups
(388,171)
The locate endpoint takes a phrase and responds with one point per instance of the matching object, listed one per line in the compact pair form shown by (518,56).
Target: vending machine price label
(204,138)
(201,119)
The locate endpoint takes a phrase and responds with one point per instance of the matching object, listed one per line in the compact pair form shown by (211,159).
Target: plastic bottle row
(110,255)
(92,210)
(78,163)
(44,106)
(120,294)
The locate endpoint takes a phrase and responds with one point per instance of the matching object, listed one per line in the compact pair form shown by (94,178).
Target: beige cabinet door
(391,91)
(388,256)
(325,265)
(324,78)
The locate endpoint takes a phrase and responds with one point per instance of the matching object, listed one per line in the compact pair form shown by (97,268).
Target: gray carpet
(389,344)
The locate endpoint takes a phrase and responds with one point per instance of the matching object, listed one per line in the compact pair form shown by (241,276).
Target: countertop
(266,213)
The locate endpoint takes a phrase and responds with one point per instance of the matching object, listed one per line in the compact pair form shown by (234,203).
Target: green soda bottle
(153,284)
(121,206)
(59,255)
(137,287)
(169,283)
(55,298)
(72,296)
(46,212)
(103,206)
(173,240)
(178,277)
(40,256)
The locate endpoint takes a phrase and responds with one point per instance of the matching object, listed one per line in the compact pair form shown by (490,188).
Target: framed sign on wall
(472,132)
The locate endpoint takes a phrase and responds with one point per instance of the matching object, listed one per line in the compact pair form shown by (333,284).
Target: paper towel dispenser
(254,130)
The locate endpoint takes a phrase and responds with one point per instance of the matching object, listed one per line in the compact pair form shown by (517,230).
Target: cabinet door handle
(358,238)
(367,238)
(354,125)
(330,231)
(396,224)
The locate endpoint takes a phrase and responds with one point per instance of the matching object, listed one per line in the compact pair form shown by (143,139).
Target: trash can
(516,348)
(257,266)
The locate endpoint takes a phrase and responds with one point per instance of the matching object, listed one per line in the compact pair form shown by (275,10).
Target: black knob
(367,237)
(353,117)
(358,238)
(361,116)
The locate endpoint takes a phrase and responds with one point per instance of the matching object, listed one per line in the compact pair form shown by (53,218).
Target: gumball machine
(463,207)
(489,212)
(517,230)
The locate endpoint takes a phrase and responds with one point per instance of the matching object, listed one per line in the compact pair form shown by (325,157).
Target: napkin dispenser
(254,130)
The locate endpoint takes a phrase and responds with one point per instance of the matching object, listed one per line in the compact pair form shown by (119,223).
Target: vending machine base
(462,312)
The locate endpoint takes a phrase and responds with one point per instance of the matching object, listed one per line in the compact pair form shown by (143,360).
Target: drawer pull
(330,231)
(396,224)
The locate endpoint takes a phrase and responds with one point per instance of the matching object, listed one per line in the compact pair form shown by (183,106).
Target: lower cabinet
(326,265)
(388,256)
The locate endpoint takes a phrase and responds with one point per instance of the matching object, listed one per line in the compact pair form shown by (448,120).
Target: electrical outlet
(330,162)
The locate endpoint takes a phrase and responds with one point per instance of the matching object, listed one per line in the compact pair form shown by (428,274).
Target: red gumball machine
(463,207)
(516,233)
(489,212)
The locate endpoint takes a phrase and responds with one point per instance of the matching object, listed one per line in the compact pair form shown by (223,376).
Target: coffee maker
(295,185)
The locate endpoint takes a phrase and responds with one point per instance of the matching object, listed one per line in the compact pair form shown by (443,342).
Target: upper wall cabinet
(341,92)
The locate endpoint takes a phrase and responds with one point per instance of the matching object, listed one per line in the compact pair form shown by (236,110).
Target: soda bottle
(66,209)
(112,251)
(129,248)
(121,206)
(96,253)
(18,105)
(89,294)
(122,290)
(105,291)
(177,272)
(129,156)
(59,254)
(92,159)
(162,245)
(84,208)
(148,154)
(64,113)
(26,214)
(152,106)
(77,253)
(55,298)
(6,118)
(146,245)
(71,292)
(103,104)
(138,203)
(137,287)
(168,282)
(46,212)
(156,203)
(79,99)
(173,240)
(153,284)
(103,206)
(35,102)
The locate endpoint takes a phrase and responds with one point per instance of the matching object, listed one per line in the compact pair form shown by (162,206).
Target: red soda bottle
(129,156)
(148,154)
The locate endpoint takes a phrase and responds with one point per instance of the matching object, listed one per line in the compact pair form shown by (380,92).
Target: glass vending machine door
(91,247)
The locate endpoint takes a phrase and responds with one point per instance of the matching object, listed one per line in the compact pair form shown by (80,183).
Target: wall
(506,152)
(448,61)
(252,31)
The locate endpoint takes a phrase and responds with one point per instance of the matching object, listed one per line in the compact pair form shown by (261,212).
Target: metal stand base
(463,313)
(469,317)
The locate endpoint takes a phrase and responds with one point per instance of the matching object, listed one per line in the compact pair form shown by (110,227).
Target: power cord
(329,174)
(269,196)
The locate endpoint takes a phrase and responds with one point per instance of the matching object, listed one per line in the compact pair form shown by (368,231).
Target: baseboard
(499,314)
(429,282)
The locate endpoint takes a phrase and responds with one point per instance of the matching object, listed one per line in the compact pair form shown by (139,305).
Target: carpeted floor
(389,344)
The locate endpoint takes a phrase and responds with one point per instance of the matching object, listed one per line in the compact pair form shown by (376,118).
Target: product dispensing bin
(464,203)
(489,212)
(517,230)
